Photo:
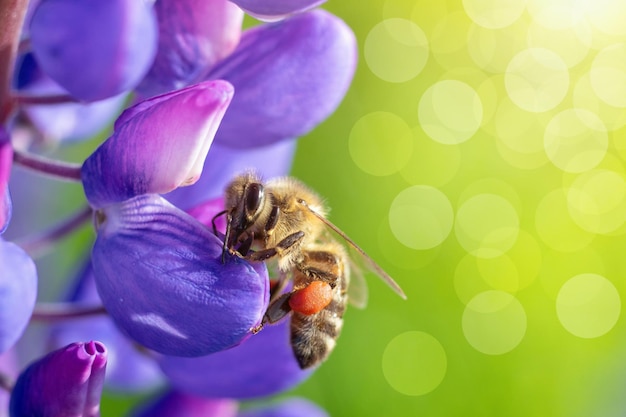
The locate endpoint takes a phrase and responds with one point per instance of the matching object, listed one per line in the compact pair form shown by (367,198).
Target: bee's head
(245,198)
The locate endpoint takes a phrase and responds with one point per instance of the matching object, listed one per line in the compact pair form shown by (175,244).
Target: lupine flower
(157,145)
(18,292)
(66,382)
(289,77)
(276,9)
(188,44)
(94,49)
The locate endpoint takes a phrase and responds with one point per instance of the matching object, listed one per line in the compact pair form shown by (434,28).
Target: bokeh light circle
(607,16)
(494,322)
(396,50)
(597,201)
(588,305)
(573,42)
(608,75)
(380,143)
(486,225)
(421,217)
(414,363)
(494,14)
(537,79)
(450,112)
(575,140)
(555,226)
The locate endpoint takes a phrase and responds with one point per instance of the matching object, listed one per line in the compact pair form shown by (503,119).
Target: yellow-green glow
(588,305)
(494,14)
(494,322)
(608,75)
(414,363)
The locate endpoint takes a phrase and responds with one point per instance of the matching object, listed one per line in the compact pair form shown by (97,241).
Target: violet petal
(95,49)
(291,407)
(276,9)
(262,365)
(128,369)
(158,144)
(66,382)
(173,403)
(18,292)
(223,163)
(65,122)
(289,77)
(193,36)
(161,278)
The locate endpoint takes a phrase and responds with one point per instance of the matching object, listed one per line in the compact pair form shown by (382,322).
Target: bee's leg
(279,286)
(283,246)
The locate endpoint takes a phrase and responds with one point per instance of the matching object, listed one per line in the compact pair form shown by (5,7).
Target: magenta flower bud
(66,382)
(174,403)
(193,36)
(95,49)
(6,161)
(289,77)
(276,9)
(160,275)
(18,292)
(157,145)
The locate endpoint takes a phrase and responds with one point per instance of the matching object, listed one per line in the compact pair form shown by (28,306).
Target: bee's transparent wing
(369,262)
(357,290)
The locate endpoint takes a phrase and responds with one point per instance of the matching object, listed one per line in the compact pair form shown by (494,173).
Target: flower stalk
(12,14)
(62,170)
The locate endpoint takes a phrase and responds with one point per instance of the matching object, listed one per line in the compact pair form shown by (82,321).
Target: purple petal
(6,161)
(18,292)
(9,367)
(263,365)
(173,403)
(68,121)
(291,407)
(289,77)
(66,382)
(128,369)
(160,276)
(158,144)
(95,49)
(276,9)
(193,36)
(223,163)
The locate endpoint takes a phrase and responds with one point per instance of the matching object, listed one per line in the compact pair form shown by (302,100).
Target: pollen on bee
(311,299)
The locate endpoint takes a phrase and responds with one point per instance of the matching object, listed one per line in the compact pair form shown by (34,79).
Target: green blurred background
(479,158)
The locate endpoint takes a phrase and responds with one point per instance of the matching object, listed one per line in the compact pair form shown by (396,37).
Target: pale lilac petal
(262,365)
(173,403)
(289,77)
(160,275)
(95,49)
(18,292)
(223,163)
(275,9)
(67,382)
(6,161)
(158,144)
(291,407)
(193,36)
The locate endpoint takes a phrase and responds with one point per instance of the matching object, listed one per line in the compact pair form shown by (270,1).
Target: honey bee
(282,219)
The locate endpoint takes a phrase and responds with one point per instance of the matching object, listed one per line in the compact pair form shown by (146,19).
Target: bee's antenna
(221,213)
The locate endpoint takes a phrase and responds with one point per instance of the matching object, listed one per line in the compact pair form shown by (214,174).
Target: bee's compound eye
(311,299)
(254,196)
